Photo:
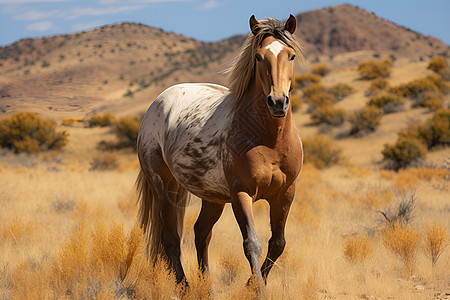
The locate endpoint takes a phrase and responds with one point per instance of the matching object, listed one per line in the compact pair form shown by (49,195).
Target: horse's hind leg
(208,216)
(169,200)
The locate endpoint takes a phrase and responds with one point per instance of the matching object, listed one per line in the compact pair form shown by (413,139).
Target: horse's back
(187,124)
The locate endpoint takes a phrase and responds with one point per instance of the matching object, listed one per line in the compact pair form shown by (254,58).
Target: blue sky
(205,20)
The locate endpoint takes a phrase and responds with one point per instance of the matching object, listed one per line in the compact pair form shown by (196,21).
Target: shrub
(431,100)
(305,80)
(434,132)
(388,103)
(365,120)
(126,129)
(104,120)
(377,85)
(405,151)
(321,70)
(320,99)
(313,89)
(438,64)
(27,132)
(322,151)
(403,241)
(374,69)
(104,161)
(328,114)
(340,91)
(358,248)
(415,88)
(435,241)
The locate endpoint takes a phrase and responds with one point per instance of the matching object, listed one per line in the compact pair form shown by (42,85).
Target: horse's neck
(253,110)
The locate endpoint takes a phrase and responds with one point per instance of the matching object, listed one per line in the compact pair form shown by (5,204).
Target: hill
(347,28)
(121,68)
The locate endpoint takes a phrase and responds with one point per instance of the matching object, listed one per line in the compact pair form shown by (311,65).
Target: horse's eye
(258,57)
(292,57)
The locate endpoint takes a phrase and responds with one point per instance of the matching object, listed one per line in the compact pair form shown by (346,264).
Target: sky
(204,20)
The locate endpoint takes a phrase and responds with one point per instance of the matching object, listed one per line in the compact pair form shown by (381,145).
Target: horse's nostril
(287,100)
(270,101)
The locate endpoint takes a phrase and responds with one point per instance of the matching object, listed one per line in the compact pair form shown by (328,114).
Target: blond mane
(241,73)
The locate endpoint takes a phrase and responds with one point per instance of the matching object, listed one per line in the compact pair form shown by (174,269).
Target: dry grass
(403,241)
(436,241)
(358,248)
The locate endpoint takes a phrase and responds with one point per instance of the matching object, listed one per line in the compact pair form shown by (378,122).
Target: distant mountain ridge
(121,68)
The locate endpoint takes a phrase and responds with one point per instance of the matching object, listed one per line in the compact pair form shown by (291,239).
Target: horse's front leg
(242,208)
(279,210)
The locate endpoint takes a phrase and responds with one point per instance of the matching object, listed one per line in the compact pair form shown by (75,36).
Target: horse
(224,145)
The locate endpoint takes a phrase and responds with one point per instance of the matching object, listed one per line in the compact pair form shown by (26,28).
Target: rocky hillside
(346,28)
(121,68)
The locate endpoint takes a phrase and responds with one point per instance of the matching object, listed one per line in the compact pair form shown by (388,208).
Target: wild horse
(225,145)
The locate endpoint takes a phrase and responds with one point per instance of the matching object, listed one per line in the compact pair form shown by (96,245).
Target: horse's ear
(291,24)
(254,25)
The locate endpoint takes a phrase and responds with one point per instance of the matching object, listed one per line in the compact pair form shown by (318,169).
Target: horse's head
(274,68)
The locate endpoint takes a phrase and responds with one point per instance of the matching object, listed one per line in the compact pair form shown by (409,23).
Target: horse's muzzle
(278,107)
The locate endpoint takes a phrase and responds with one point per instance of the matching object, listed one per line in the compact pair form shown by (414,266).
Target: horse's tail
(152,199)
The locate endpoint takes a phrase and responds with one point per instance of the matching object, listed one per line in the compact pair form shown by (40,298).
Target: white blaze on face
(275,48)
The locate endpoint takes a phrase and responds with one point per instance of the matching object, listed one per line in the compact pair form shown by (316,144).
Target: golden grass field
(68,232)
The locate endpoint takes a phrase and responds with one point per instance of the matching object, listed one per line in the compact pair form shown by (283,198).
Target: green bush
(365,120)
(328,114)
(322,151)
(388,103)
(27,132)
(126,129)
(104,120)
(321,70)
(406,150)
(340,91)
(374,69)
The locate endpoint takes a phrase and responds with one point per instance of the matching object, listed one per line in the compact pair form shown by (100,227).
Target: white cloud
(40,26)
(210,4)
(33,15)
(90,11)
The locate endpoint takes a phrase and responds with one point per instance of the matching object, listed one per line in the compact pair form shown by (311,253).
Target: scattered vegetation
(435,241)
(426,92)
(107,119)
(377,86)
(322,151)
(305,80)
(388,103)
(321,70)
(403,240)
(328,114)
(340,90)
(438,64)
(104,161)
(358,248)
(374,69)
(126,129)
(27,132)
(405,151)
(365,120)
(433,133)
